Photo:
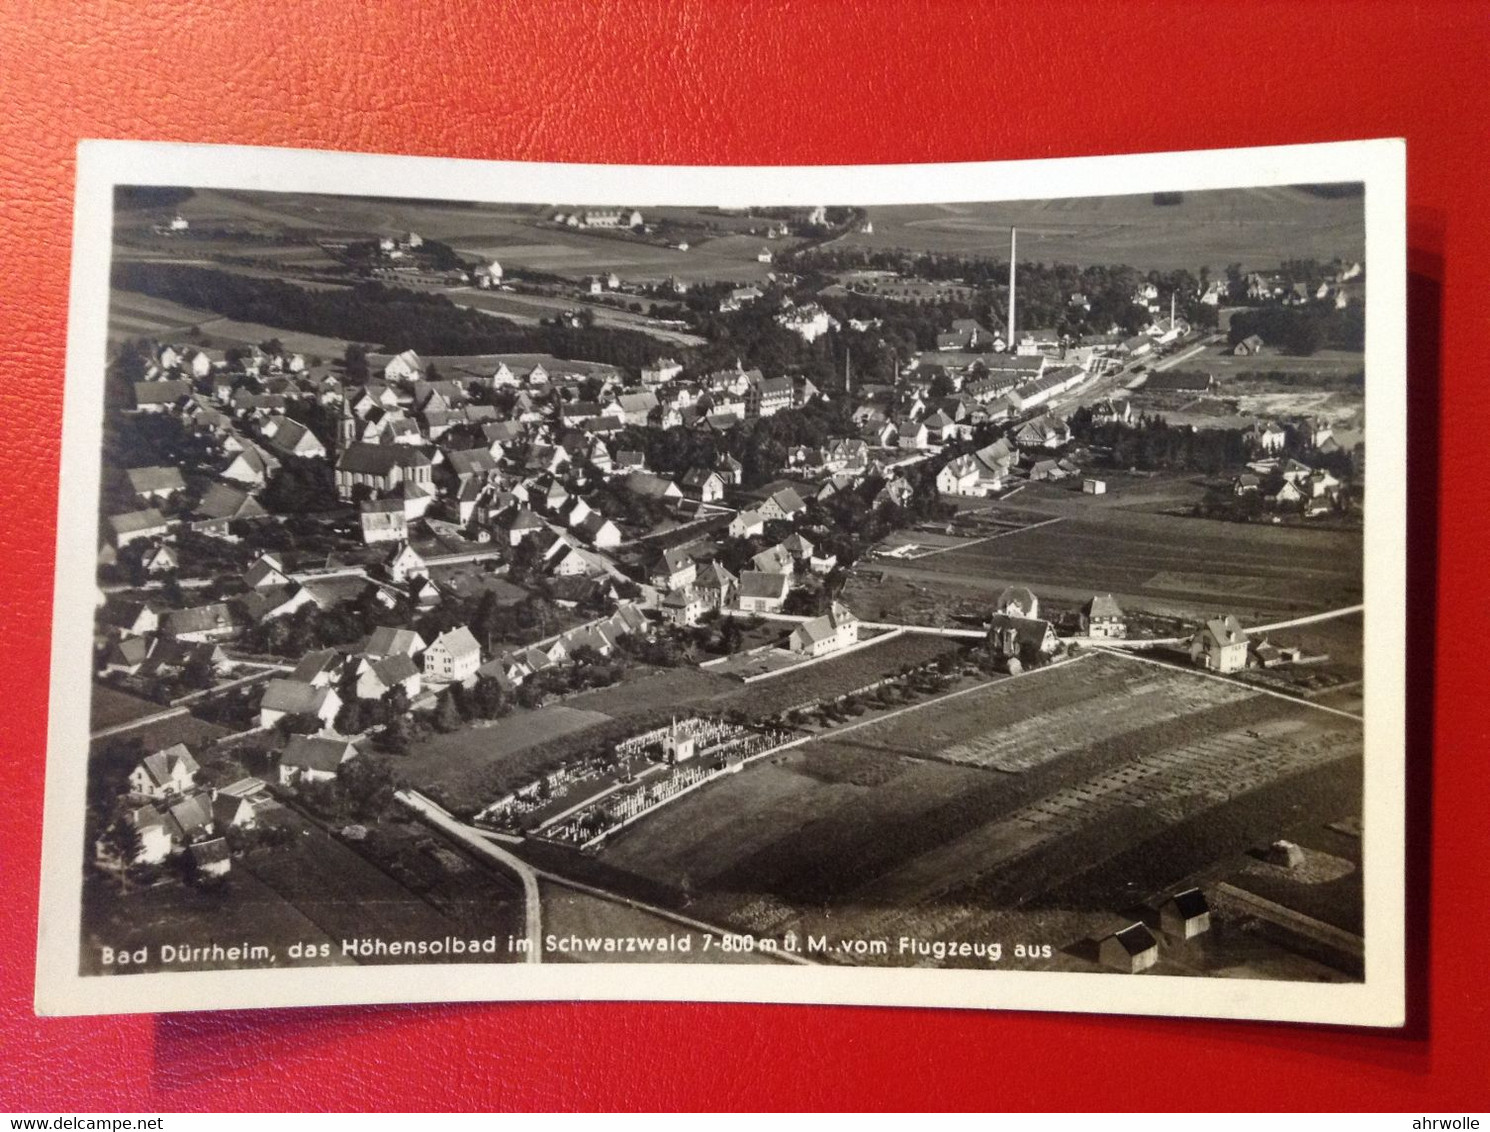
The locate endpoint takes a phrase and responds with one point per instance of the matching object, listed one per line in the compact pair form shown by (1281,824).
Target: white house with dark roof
(1101,616)
(164,773)
(1220,645)
(313,758)
(834,630)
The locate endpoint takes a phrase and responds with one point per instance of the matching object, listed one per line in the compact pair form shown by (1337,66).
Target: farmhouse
(1220,645)
(393,642)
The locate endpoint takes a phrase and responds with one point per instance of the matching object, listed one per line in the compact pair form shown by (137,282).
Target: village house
(377,677)
(404,563)
(384,520)
(1220,645)
(155,483)
(784,504)
(834,630)
(1101,616)
(453,656)
(164,773)
(212,622)
(762,593)
(747,524)
(703,484)
(290,697)
(220,507)
(683,607)
(1014,638)
(133,526)
(672,569)
(393,642)
(313,758)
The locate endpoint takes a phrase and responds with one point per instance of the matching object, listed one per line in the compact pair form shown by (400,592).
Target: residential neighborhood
(724,519)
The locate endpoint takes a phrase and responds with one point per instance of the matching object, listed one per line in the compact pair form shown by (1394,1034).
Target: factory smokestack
(1013,235)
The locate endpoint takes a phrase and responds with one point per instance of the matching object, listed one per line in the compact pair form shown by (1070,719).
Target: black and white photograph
(950,585)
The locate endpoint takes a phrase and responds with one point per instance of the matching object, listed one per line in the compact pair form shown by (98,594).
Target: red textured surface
(699,82)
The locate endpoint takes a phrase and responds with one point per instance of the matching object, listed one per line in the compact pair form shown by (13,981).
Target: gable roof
(293,698)
(760,584)
(145,480)
(313,752)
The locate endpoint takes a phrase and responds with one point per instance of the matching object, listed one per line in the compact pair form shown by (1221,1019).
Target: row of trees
(1302,330)
(399,319)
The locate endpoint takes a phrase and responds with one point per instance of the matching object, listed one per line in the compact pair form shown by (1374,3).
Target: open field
(111,707)
(483,745)
(531,309)
(1165,564)
(874,835)
(839,675)
(567,912)
(1257,227)
(516,235)
(185,728)
(134,315)
(1324,364)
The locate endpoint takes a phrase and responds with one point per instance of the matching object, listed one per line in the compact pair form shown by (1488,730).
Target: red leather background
(786,82)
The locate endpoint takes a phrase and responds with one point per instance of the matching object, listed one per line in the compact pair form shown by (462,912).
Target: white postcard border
(1378,1001)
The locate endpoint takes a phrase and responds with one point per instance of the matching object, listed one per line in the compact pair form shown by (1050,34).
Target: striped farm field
(1105,779)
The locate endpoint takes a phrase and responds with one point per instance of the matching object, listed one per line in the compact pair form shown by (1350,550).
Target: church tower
(346,426)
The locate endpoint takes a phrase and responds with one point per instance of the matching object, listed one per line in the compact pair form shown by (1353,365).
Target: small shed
(1090,486)
(1185,915)
(1285,854)
(1132,949)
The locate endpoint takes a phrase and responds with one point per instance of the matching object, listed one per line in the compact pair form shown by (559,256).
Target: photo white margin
(1380,1000)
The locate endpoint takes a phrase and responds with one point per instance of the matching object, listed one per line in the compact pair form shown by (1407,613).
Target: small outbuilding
(1285,854)
(1090,486)
(1185,915)
(1131,950)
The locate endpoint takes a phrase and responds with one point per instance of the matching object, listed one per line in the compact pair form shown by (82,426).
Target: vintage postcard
(922,585)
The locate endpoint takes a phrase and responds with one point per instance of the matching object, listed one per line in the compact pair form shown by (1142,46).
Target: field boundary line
(136,724)
(664,913)
(1234,683)
(987,538)
(1346,611)
(897,631)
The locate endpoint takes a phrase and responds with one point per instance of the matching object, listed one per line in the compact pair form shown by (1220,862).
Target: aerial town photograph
(965,585)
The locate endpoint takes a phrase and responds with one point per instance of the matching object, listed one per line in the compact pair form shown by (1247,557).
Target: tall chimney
(1171,309)
(1013,232)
